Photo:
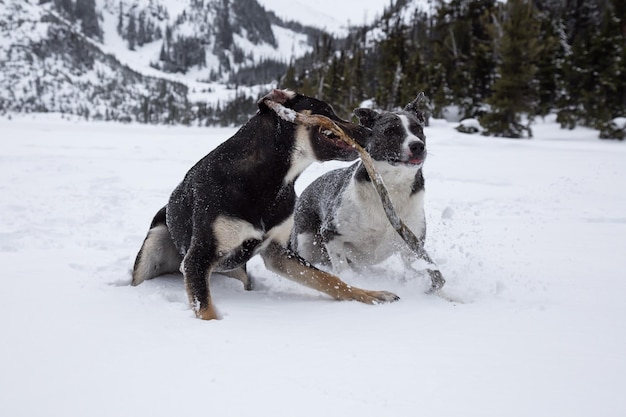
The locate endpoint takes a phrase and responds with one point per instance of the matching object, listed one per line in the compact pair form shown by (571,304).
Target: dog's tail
(158,254)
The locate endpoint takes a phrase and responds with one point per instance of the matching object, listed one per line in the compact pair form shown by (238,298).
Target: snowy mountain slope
(330,15)
(529,234)
(47,63)
(48,66)
(222,37)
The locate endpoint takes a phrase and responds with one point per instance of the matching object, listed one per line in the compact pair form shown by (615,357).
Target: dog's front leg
(436,278)
(196,268)
(337,255)
(288,264)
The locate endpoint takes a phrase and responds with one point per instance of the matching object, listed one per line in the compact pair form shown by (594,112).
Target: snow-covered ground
(530,234)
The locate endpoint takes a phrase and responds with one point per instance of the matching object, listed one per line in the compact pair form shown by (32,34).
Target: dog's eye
(389,131)
(415,129)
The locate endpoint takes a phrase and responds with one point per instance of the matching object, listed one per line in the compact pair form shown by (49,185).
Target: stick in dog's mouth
(334,133)
(326,127)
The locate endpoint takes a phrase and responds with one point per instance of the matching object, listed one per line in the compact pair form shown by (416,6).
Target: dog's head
(398,136)
(325,146)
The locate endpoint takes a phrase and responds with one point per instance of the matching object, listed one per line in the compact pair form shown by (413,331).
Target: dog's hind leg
(290,265)
(196,268)
(157,255)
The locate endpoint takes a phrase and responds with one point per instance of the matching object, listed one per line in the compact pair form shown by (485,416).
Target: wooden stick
(327,128)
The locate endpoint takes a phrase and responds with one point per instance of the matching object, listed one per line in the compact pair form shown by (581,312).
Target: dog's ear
(367,117)
(419,106)
(277,96)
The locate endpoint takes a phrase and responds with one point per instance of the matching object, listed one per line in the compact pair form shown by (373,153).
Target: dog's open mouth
(407,162)
(415,161)
(331,137)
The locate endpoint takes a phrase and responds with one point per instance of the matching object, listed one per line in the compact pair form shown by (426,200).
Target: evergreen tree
(120,20)
(85,11)
(481,57)
(620,98)
(168,34)
(515,91)
(162,54)
(603,104)
(357,78)
(448,56)
(142,36)
(592,72)
(334,87)
(289,79)
(391,60)
(224,33)
(550,65)
(131,32)
(415,69)
(464,50)
(66,8)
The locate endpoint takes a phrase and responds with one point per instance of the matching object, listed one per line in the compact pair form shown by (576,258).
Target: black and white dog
(339,218)
(238,201)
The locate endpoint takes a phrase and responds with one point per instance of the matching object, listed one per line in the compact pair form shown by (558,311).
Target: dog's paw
(248,285)
(378,297)
(437,280)
(206,312)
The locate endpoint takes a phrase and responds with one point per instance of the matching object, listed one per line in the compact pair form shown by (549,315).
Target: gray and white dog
(339,218)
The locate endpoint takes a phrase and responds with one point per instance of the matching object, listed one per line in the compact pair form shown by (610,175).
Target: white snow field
(530,235)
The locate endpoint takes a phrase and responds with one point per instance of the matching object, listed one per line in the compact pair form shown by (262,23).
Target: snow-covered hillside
(529,234)
(331,15)
(47,65)
(228,37)
(140,60)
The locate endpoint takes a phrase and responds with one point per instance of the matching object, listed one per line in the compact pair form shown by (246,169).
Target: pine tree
(120,20)
(142,36)
(464,50)
(620,97)
(592,72)
(162,54)
(224,32)
(448,63)
(415,69)
(550,65)
(333,82)
(391,59)
(289,79)
(357,78)
(85,11)
(481,57)
(515,91)
(131,32)
(66,8)
(605,50)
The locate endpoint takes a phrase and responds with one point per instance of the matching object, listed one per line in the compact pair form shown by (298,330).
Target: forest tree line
(504,63)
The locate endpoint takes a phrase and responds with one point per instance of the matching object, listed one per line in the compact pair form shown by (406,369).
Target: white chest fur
(366,236)
(302,154)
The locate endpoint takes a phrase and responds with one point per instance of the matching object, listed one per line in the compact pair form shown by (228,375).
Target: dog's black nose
(416,147)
